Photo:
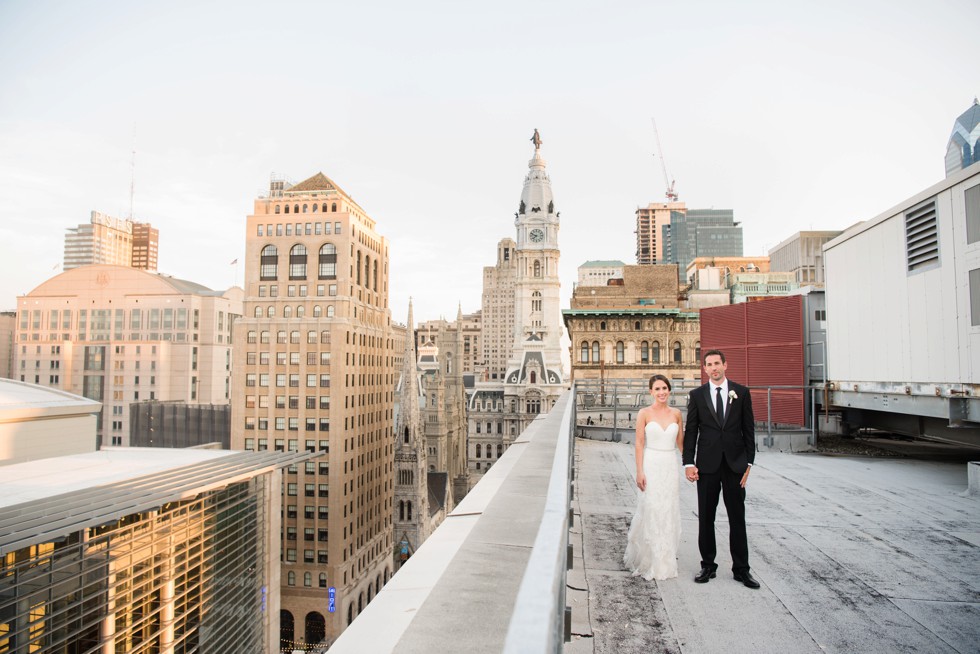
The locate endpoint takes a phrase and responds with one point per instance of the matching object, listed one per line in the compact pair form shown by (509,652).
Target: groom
(721,426)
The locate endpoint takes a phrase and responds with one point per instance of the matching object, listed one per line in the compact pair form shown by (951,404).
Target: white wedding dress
(655,533)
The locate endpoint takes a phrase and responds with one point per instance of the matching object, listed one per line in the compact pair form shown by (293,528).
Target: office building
(702,233)
(802,255)
(8,330)
(650,223)
(146,239)
(497,337)
(130,549)
(113,241)
(119,336)
(472,331)
(314,372)
(963,148)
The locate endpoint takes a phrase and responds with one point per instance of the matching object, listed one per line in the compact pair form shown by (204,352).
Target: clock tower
(536,351)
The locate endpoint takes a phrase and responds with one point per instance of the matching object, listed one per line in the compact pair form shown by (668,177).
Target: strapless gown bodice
(660,439)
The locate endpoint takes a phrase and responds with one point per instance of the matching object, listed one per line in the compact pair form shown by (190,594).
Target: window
(536,301)
(677,352)
(655,352)
(269,263)
(595,352)
(297,262)
(585,352)
(328,261)
(620,352)
(644,352)
(972,200)
(975,297)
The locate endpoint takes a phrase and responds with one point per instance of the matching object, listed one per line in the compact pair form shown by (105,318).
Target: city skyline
(424,115)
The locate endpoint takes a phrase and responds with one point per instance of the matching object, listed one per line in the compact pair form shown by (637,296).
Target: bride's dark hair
(661,378)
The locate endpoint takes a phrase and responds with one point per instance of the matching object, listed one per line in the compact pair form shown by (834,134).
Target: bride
(655,533)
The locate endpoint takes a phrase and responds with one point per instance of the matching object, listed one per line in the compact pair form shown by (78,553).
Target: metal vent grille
(921,236)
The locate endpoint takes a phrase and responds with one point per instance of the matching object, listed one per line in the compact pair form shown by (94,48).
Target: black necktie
(719,405)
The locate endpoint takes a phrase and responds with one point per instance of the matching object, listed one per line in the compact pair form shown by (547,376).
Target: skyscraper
(114,241)
(316,352)
(498,309)
(963,148)
(702,233)
(650,221)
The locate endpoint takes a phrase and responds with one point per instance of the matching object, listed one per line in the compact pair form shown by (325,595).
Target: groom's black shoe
(746,579)
(705,574)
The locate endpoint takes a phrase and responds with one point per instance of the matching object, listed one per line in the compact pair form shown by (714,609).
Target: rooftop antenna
(671,194)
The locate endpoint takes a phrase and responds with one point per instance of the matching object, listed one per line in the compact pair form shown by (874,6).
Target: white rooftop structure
(38,422)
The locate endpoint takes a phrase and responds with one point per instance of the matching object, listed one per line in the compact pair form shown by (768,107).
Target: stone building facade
(532,380)
(315,373)
(499,282)
(634,329)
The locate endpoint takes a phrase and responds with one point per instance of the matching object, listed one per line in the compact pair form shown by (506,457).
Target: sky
(796,115)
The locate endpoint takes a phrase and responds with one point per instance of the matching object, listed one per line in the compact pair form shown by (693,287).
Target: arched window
(537,268)
(360,603)
(287,311)
(677,351)
(620,352)
(323,575)
(316,628)
(270,311)
(287,628)
(595,352)
(644,352)
(500,450)
(308,579)
(304,208)
(287,208)
(406,435)
(369,593)
(295,208)
(408,510)
(585,352)
(297,262)
(536,301)
(358,280)
(636,325)
(534,377)
(375,278)
(479,450)
(350,613)
(367,271)
(401,509)
(377,584)
(269,263)
(278,209)
(655,352)
(315,206)
(317,310)
(330,311)
(258,311)
(328,261)
(333,207)
(602,326)
(697,351)
(300,311)
(291,578)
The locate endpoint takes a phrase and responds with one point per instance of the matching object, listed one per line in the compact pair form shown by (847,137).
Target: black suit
(721,450)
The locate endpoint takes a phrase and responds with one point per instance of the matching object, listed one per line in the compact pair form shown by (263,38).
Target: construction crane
(668,183)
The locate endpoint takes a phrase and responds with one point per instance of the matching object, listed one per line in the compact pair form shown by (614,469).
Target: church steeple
(409,409)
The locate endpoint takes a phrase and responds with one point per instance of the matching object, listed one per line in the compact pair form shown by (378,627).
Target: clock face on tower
(536,235)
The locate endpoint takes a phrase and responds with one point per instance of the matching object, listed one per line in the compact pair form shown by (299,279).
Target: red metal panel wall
(763,344)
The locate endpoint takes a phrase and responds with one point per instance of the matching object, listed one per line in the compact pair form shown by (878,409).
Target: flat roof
(48,498)
(19,400)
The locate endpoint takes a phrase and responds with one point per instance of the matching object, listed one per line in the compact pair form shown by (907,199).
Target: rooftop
(19,400)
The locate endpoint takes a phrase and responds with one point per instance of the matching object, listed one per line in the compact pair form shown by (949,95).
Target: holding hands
(691,472)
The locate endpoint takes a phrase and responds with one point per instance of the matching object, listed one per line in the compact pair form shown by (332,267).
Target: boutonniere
(732,396)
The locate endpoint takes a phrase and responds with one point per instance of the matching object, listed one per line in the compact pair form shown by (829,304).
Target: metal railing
(604,404)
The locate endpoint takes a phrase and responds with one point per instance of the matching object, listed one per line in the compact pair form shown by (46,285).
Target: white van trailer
(903,315)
